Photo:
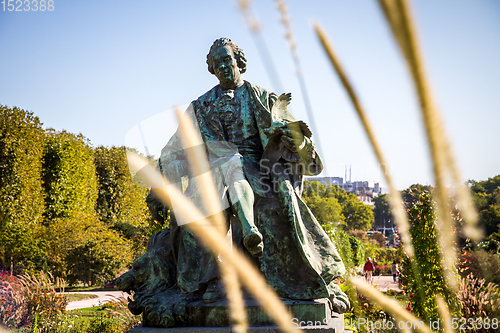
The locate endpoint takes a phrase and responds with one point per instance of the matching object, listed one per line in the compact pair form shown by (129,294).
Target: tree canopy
(333,204)
(65,206)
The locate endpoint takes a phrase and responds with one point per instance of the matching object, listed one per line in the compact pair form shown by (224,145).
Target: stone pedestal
(214,318)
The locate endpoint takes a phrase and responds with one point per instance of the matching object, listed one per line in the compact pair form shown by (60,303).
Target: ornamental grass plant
(13,313)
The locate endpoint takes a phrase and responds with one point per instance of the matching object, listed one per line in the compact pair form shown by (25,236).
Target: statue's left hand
(294,142)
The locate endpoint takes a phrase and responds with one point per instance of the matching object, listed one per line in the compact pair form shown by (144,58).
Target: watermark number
(27,5)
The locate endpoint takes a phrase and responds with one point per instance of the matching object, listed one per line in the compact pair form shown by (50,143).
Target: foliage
(121,203)
(492,246)
(481,264)
(359,234)
(358,251)
(21,194)
(428,281)
(332,204)
(325,208)
(486,195)
(119,199)
(382,211)
(82,240)
(479,300)
(69,175)
(342,243)
(103,324)
(351,249)
(379,239)
(383,256)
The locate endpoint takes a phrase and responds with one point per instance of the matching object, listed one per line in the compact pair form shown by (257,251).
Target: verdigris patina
(258,154)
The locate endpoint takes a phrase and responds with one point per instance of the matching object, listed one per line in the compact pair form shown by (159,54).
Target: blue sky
(100,68)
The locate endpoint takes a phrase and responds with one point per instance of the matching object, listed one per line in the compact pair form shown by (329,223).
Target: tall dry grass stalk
(285,20)
(444,311)
(210,236)
(395,198)
(391,305)
(265,55)
(197,158)
(397,13)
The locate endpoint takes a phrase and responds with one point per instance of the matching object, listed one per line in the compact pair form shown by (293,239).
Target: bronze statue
(258,154)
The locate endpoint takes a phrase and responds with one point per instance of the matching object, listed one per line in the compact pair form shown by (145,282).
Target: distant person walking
(395,271)
(368,270)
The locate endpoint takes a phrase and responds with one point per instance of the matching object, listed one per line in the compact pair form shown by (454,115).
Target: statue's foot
(214,292)
(339,302)
(166,309)
(252,240)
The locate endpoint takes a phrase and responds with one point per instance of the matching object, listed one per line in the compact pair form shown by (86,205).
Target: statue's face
(226,67)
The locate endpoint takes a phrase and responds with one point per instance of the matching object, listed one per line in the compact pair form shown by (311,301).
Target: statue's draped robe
(299,260)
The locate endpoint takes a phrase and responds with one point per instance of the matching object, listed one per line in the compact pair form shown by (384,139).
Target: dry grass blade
(390,304)
(394,196)
(397,15)
(235,298)
(401,23)
(285,19)
(444,311)
(252,22)
(213,240)
(198,162)
(265,55)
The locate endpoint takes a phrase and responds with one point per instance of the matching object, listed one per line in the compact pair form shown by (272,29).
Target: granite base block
(214,318)
(266,329)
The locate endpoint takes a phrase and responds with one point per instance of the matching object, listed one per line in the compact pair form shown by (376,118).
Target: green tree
(69,175)
(486,195)
(71,223)
(21,193)
(358,216)
(382,211)
(332,204)
(423,285)
(120,203)
(323,205)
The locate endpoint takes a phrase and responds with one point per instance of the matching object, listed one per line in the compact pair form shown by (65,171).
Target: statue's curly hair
(238,53)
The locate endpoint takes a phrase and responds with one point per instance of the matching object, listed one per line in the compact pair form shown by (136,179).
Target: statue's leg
(242,200)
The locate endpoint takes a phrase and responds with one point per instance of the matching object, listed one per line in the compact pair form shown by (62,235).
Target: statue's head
(226,61)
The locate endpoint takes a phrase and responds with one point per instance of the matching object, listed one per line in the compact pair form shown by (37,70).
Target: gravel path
(102,297)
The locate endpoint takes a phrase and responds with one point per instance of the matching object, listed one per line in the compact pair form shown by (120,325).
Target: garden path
(102,297)
(386,282)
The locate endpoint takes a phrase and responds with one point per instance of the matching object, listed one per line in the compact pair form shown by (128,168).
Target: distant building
(365,190)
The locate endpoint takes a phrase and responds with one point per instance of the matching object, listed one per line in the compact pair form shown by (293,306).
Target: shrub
(383,256)
(382,270)
(343,244)
(379,239)
(359,234)
(481,264)
(358,251)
